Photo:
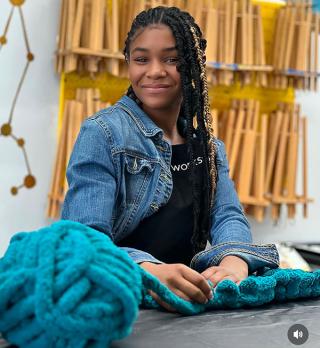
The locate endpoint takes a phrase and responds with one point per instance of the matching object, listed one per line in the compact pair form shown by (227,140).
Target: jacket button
(165,176)
(161,148)
(154,206)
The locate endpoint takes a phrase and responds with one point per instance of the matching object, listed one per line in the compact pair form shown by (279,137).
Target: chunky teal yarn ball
(67,286)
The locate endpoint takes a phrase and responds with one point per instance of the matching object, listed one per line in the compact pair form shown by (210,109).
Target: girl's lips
(155,85)
(155,88)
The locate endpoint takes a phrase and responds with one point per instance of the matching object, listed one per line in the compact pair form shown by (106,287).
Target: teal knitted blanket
(69,286)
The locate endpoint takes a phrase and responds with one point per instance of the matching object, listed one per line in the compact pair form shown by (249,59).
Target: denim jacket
(119,173)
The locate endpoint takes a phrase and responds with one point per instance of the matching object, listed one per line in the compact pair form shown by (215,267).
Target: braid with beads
(191,53)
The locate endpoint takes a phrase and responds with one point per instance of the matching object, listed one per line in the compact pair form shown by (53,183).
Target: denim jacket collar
(142,120)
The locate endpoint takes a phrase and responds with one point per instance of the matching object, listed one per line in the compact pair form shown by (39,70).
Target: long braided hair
(191,66)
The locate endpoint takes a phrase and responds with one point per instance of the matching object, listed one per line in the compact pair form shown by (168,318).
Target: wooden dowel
(301,25)
(250,34)
(223,120)
(236,140)
(273,147)
(69,138)
(123,24)
(260,168)
(85,32)
(227,24)
(108,28)
(260,50)
(233,33)
(79,116)
(290,37)
(244,33)
(280,159)
(78,24)
(70,59)
(292,160)
(89,102)
(212,35)
(198,13)
(96,32)
(247,155)
(62,36)
(229,130)
(285,35)
(276,40)
(59,168)
(221,34)
(115,36)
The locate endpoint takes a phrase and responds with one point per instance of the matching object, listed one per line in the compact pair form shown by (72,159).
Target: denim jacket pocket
(137,177)
(136,164)
(257,256)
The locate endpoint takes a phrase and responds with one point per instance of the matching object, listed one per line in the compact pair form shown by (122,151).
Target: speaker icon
(298,334)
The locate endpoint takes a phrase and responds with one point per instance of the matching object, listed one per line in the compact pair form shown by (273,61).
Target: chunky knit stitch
(69,286)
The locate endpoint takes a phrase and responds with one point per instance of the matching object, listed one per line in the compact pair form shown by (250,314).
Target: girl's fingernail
(211,295)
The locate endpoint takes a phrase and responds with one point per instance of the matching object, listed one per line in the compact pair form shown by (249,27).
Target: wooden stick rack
(87,102)
(263,156)
(295,47)
(235,50)
(92,35)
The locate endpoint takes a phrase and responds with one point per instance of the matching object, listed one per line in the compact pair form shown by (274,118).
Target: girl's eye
(169,60)
(172,60)
(140,59)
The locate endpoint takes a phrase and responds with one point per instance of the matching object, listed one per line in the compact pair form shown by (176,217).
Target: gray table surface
(261,327)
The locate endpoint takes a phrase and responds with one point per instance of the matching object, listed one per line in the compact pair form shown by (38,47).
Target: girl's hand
(180,279)
(231,267)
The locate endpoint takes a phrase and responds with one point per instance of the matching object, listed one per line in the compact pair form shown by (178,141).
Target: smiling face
(153,68)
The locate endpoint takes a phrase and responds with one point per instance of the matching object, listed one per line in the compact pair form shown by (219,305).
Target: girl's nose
(156,70)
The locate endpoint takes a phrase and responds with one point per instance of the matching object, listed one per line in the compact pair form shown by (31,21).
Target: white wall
(35,120)
(35,115)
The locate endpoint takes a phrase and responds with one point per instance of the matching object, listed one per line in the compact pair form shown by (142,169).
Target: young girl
(142,174)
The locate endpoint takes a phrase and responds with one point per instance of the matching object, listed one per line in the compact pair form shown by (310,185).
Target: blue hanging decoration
(69,286)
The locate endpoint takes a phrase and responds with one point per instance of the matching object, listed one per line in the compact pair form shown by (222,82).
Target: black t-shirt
(167,233)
